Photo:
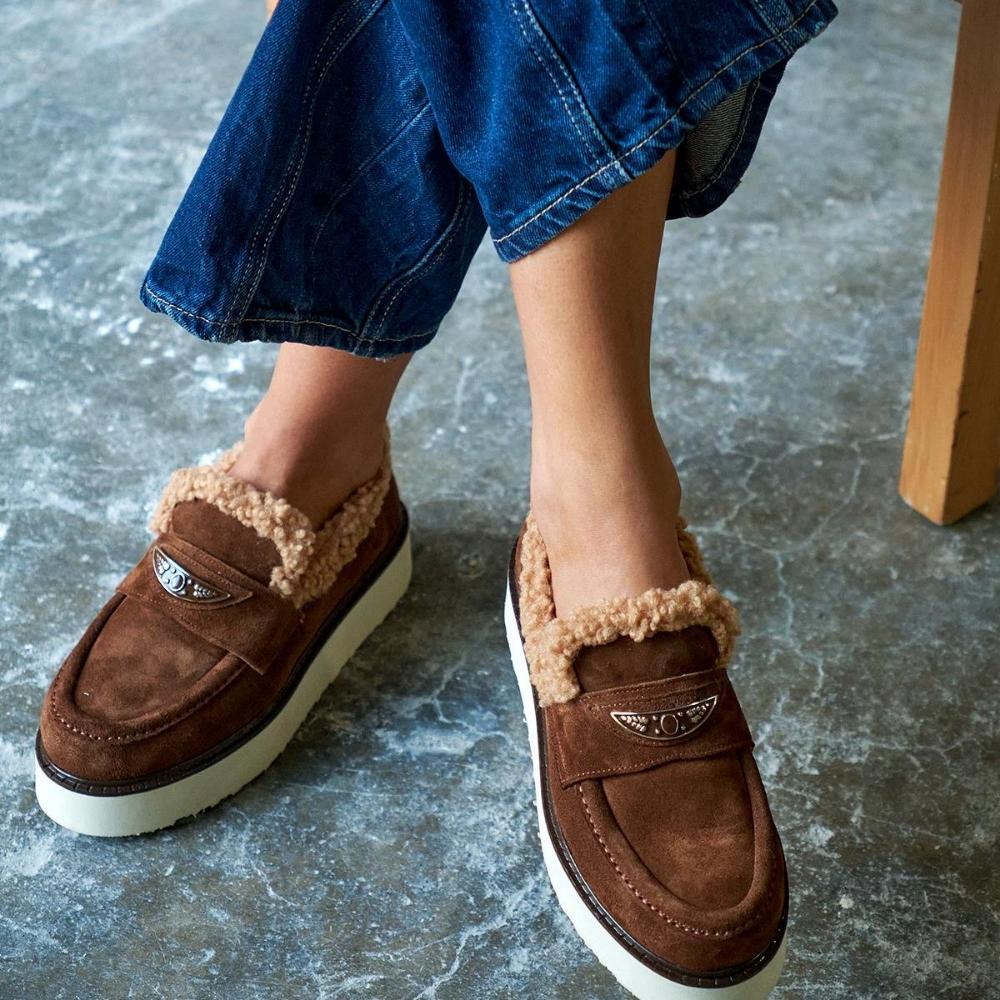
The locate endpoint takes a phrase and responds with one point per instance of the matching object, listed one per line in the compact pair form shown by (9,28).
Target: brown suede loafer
(654,824)
(198,671)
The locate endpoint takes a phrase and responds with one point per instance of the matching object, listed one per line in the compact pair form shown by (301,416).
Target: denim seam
(591,149)
(421,267)
(771,26)
(664,38)
(353,334)
(292,186)
(687,100)
(186,312)
(548,69)
(252,250)
(305,131)
(343,189)
(246,319)
(734,146)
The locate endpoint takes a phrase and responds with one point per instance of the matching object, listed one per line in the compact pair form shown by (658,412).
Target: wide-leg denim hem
(536,115)
(759,67)
(280,330)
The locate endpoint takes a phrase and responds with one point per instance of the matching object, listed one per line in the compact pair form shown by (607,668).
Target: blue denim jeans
(371,143)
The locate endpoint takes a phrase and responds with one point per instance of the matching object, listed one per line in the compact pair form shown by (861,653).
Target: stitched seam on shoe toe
(142,733)
(688,928)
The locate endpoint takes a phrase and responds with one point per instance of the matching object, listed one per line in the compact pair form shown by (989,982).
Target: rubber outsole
(156,808)
(637,977)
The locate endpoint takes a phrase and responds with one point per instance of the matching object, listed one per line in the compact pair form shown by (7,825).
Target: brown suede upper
(157,682)
(656,808)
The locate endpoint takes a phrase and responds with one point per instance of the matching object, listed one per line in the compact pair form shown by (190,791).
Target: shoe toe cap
(112,711)
(700,889)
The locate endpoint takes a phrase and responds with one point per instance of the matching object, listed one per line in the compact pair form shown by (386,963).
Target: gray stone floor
(785,332)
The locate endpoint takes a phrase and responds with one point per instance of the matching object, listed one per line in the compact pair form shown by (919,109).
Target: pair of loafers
(653,820)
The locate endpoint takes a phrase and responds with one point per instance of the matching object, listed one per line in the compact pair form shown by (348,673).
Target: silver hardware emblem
(178,582)
(669,724)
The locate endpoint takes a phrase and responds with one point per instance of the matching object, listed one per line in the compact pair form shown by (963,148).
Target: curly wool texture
(337,541)
(552,643)
(311,559)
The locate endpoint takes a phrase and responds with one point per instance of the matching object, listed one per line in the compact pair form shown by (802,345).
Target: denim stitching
(305,130)
(576,187)
(342,190)
(570,82)
(246,319)
(419,334)
(455,227)
(416,267)
(304,147)
(186,312)
(353,334)
(295,322)
(548,69)
(422,266)
(765,17)
(734,148)
(333,326)
(252,251)
(664,38)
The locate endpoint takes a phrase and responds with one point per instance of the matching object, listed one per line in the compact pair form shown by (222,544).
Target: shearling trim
(270,516)
(552,643)
(310,560)
(337,541)
(691,552)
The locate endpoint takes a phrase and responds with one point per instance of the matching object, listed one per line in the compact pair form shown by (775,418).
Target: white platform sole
(143,812)
(640,980)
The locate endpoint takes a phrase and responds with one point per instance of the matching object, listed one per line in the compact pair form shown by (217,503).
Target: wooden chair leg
(952,453)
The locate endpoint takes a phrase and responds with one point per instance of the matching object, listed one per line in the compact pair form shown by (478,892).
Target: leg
(603,488)
(605,497)
(953,441)
(317,433)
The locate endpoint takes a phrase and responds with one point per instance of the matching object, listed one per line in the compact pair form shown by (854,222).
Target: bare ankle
(609,529)
(314,469)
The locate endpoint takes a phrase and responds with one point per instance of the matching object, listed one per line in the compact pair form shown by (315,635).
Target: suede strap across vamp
(625,730)
(234,612)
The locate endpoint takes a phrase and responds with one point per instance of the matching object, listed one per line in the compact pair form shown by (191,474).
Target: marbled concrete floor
(785,332)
